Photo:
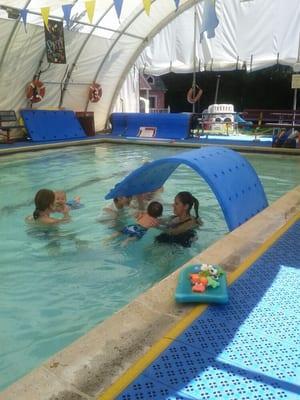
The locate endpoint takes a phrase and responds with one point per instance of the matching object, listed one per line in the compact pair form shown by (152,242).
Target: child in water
(145,221)
(140,201)
(117,207)
(45,205)
(61,203)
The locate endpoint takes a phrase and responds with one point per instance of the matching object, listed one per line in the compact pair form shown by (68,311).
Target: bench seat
(8,121)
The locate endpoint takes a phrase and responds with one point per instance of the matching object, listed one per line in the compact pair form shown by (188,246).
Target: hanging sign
(55,43)
(296,81)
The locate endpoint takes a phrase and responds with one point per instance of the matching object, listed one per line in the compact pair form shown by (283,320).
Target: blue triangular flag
(23,14)
(118,7)
(210,19)
(67,8)
(177,3)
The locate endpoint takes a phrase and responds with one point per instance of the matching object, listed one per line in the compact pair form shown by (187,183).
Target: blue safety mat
(52,125)
(248,349)
(165,125)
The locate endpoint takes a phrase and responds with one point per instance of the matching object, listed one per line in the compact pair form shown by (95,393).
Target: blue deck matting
(248,349)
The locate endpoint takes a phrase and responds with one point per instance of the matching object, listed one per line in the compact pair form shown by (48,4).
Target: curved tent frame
(106,50)
(125,28)
(230,176)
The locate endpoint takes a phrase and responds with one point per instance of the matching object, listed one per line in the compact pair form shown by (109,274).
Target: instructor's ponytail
(196,206)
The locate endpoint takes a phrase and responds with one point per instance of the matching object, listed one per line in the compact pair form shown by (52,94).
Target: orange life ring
(198,93)
(35,91)
(95,92)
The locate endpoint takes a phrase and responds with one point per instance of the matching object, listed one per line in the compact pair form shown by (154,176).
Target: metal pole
(217,89)
(295,91)
(194,60)
(294,109)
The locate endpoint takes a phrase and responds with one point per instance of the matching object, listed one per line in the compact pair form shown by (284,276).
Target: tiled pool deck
(246,349)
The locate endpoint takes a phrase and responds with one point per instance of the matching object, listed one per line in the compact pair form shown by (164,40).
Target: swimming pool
(58,283)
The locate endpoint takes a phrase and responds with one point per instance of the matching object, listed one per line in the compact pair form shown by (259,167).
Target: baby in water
(62,205)
(118,205)
(144,221)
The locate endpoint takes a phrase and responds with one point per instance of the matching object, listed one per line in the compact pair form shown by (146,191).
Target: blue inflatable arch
(230,176)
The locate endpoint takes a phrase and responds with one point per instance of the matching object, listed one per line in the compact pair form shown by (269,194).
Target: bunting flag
(118,7)
(45,14)
(210,19)
(67,8)
(147,5)
(177,3)
(23,14)
(90,8)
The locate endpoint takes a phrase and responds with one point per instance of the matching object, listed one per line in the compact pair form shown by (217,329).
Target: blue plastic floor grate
(248,349)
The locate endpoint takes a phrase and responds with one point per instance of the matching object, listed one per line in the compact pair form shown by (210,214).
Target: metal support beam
(138,51)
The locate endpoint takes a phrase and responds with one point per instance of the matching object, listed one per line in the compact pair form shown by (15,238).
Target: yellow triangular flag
(45,14)
(90,8)
(147,5)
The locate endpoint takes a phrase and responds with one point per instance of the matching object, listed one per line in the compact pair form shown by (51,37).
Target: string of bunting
(90,10)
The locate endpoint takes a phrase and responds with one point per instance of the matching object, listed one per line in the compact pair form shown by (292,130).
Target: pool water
(59,282)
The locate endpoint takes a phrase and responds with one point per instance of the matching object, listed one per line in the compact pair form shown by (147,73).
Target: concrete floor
(238,145)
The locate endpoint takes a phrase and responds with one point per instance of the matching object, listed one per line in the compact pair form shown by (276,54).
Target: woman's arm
(185,226)
(53,221)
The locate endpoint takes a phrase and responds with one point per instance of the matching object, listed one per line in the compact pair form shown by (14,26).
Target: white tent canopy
(251,34)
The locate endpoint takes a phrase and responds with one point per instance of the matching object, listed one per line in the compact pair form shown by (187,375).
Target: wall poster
(55,43)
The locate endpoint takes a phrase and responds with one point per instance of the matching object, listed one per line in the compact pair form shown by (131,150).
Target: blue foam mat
(52,125)
(231,177)
(166,125)
(248,349)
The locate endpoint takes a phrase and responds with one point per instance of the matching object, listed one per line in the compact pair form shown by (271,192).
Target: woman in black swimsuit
(181,228)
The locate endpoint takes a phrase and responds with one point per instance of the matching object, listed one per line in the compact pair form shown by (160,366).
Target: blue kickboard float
(74,205)
(184,291)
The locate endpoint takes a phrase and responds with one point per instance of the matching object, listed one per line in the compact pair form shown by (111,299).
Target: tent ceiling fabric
(252,34)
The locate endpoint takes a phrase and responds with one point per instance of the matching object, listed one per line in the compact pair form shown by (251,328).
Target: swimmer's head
(44,200)
(184,201)
(155,209)
(122,201)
